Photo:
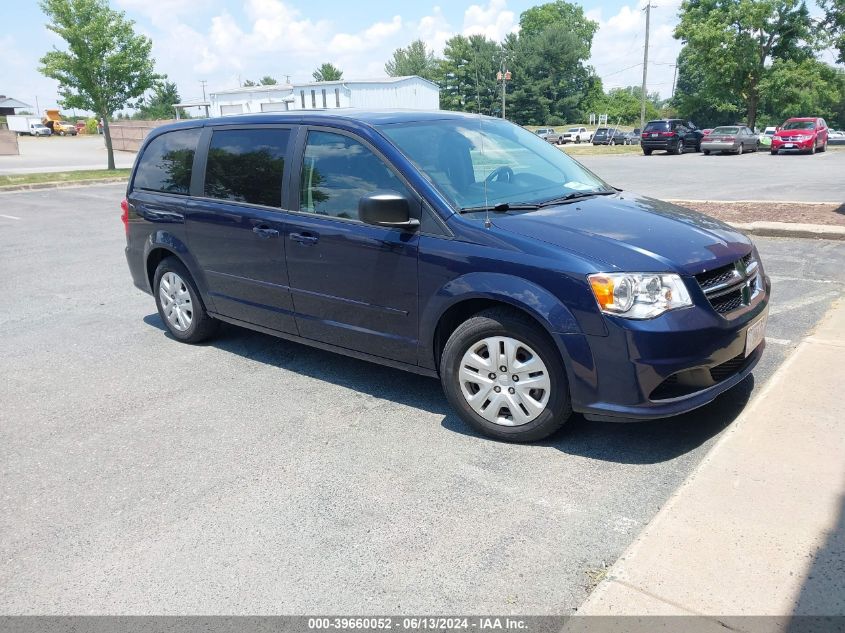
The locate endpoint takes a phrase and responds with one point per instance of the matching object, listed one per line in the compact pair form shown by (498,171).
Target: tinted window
(167,162)
(247,166)
(657,126)
(480,162)
(337,171)
(799,125)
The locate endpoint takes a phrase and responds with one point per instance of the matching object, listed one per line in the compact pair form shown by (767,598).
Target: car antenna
(487,223)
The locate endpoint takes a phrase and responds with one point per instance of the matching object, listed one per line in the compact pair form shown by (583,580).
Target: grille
(728,368)
(730,287)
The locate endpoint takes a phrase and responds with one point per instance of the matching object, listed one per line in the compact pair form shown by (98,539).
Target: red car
(801,134)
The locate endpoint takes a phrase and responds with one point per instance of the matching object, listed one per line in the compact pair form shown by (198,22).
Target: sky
(224,42)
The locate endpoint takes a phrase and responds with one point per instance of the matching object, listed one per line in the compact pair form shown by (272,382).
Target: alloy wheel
(176,301)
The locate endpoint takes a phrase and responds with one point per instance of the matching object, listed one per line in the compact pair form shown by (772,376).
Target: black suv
(675,136)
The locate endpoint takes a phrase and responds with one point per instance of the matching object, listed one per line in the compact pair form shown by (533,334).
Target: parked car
(706,131)
(674,136)
(801,134)
(633,137)
(80,127)
(577,135)
(766,135)
(609,136)
(735,139)
(549,134)
(450,245)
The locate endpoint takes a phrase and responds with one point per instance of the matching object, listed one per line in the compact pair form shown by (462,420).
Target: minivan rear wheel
(503,375)
(179,304)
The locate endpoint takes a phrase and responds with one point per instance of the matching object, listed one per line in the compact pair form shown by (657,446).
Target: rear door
(236,225)
(354,285)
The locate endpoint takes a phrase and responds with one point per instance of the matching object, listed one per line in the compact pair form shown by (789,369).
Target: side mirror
(386,208)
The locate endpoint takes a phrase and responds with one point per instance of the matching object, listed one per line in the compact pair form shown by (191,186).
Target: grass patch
(582,149)
(62,176)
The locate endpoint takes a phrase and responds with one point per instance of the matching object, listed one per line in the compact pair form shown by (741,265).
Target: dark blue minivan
(451,245)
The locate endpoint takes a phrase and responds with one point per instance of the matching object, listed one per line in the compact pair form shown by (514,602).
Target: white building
(413,93)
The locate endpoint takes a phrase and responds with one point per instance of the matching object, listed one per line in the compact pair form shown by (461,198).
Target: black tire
(706,152)
(773,152)
(812,149)
(679,149)
(202,326)
(647,152)
(823,148)
(506,322)
(739,150)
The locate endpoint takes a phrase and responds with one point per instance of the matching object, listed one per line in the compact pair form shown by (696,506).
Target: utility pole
(645,63)
(674,80)
(203,82)
(504,76)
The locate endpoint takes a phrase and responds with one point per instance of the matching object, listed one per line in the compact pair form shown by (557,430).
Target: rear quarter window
(167,162)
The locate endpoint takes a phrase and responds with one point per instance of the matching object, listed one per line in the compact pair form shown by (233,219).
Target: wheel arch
(465,296)
(162,244)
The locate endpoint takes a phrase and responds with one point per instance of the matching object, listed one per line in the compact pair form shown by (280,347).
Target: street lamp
(504,77)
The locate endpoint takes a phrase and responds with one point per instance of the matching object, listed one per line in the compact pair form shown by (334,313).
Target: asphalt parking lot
(254,476)
(61,153)
(752,176)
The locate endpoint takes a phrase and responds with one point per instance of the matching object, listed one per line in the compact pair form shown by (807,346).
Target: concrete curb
(785,229)
(61,184)
(753,530)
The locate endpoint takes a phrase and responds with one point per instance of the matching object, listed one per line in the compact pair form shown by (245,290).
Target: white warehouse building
(412,93)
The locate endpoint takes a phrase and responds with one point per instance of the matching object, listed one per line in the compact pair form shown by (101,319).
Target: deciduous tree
(105,64)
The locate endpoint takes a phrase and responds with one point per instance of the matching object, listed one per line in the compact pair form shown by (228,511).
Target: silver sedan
(734,139)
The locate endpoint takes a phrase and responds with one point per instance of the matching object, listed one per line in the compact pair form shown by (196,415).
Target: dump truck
(53,120)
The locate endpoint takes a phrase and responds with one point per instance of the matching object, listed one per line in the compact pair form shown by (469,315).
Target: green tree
(623,105)
(160,104)
(416,59)
(559,13)
(328,72)
(467,74)
(808,87)
(834,24)
(267,80)
(105,66)
(249,83)
(732,45)
(551,82)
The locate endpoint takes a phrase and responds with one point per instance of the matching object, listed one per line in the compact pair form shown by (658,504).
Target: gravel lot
(253,475)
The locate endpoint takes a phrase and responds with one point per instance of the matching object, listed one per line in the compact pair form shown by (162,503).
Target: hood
(786,133)
(635,233)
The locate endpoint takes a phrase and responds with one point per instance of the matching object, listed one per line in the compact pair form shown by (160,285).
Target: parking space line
(9,217)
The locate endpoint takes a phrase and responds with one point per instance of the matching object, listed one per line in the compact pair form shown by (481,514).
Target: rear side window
(167,162)
(337,171)
(247,166)
(657,126)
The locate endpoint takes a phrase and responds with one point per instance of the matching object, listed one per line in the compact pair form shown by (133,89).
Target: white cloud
(494,21)
(434,30)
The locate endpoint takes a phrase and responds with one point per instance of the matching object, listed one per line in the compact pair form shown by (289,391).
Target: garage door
(231,109)
(277,106)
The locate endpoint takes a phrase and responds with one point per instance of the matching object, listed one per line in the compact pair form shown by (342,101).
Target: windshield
(482,162)
(601,130)
(726,130)
(574,129)
(799,125)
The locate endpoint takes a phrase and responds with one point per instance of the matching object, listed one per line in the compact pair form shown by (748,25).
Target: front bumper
(797,146)
(661,367)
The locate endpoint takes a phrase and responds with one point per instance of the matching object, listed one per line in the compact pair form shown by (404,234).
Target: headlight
(639,295)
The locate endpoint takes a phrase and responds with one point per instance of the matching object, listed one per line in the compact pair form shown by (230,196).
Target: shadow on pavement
(630,443)
(823,592)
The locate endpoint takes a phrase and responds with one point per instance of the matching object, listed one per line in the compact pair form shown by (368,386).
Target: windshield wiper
(576,195)
(501,207)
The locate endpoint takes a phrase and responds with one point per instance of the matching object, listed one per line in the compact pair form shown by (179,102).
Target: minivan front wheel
(503,376)
(179,304)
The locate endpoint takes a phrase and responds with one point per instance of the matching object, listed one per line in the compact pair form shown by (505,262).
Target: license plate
(789,144)
(754,335)
(654,135)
